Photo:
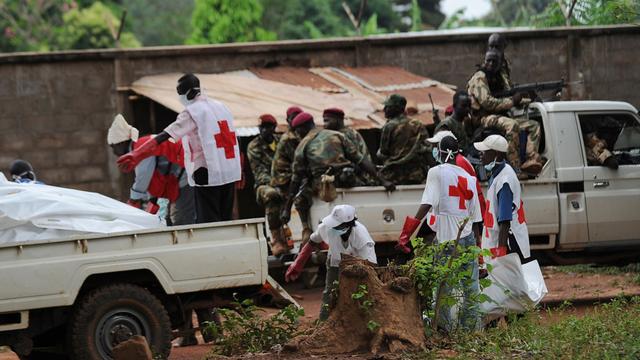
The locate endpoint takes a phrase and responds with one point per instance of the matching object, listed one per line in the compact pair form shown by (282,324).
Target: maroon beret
(293,110)
(300,119)
(268,119)
(333,112)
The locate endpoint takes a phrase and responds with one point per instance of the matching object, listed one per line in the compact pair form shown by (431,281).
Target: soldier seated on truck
(489,111)
(320,151)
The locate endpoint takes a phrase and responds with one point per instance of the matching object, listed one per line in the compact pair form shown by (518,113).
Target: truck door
(612,196)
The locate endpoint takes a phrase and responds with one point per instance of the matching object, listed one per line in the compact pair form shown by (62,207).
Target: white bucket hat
(121,131)
(340,214)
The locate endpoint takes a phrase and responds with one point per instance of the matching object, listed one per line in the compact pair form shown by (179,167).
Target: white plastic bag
(514,287)
(34,212)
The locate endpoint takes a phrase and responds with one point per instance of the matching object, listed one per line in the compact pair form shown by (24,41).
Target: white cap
(121,131)
(437,137)
(340,214)
(492,142)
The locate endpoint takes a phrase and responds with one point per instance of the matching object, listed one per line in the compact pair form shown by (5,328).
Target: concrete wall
(56,107)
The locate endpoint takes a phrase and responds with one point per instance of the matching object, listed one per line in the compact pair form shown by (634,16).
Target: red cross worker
(211,152)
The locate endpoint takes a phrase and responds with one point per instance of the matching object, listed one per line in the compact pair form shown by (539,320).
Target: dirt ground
(575,287)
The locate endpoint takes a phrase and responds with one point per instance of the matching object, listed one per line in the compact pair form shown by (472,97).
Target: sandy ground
(575,287)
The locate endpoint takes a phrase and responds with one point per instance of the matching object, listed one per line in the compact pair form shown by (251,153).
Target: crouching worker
(344,235)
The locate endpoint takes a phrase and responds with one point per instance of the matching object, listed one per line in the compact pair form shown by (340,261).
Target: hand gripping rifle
(435,112)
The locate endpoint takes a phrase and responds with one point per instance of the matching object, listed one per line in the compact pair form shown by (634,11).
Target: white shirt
(449,217)
(360,243)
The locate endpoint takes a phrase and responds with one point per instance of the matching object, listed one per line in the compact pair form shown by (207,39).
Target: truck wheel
(112,314)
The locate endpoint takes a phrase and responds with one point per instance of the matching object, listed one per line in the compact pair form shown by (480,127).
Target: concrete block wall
(55,115)
(57,107)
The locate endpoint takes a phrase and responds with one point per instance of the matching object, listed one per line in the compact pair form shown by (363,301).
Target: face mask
(490,165)
(183,99)
(340,232)
(435,154)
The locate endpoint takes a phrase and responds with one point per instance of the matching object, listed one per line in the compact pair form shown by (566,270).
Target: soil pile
(391,322)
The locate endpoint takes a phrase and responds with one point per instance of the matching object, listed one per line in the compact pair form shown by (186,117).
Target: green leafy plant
(437,267)
(244,330)
(361,295)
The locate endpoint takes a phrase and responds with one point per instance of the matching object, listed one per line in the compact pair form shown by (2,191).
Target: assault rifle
(434,111)
(533,88)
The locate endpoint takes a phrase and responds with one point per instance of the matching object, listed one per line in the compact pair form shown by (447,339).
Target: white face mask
(490,165)
(340,232)
(183,99)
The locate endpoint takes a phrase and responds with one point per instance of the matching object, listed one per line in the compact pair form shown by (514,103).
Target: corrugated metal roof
(358,91)
(248,98)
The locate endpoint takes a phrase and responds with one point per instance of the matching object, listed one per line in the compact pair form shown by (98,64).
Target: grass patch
(610,332)
(633,268)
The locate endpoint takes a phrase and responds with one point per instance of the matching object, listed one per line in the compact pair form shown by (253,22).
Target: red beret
(448,111)
(300,119)
(268,119)
(293,110)
(333,111)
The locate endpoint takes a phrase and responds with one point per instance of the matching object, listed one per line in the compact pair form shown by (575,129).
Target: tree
(223,21)
(30,25)
(589,12)
(92,28)
(159,22)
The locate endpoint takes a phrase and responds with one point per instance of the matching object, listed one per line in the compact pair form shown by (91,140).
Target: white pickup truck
(104,289)
(570,207)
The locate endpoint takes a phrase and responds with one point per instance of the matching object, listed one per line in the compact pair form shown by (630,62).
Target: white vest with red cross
(219,144)
(457,196)
(518,222)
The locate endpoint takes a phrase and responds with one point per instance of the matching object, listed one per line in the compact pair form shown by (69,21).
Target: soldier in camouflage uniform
(260,153)
(595,147)
(457,122)
(334,120)
(403,145)
(498,42)
(320,150)
(489,111)
(282,170)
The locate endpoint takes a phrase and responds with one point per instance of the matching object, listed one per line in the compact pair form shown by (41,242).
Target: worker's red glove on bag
(498,251)
(135,203)
(152,208)
(129,161)
(295,269)
(409,227)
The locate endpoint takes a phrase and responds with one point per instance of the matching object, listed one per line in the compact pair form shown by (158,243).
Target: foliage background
(47,25)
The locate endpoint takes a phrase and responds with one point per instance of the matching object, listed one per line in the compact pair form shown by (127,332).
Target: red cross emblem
(432,220)
(226,139)
(462,191)
(488,218)
(521,218)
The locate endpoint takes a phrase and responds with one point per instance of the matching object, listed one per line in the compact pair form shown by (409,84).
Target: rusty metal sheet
(300,76)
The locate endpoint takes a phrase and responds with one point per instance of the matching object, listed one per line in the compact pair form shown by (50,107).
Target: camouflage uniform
(281,173)
(320,150)
(403,150)
(260,156)
(355,137)
(487,110)
(596,149)
(458,129)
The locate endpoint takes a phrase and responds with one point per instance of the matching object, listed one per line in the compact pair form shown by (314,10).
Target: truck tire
(111,314)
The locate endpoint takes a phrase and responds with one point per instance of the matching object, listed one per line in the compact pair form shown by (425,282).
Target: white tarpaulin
(514,287)
(33,212)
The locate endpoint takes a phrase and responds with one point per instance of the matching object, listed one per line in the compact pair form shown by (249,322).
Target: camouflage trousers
(596,149)
(302,203)
(512,128)
(271,200)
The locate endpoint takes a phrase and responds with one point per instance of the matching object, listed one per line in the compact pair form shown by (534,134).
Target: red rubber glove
(135,203)
(129,161)
(409,227)
(152,208)
(498,251)
(295,269)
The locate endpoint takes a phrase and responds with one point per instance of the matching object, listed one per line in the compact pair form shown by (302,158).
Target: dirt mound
(376,310)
